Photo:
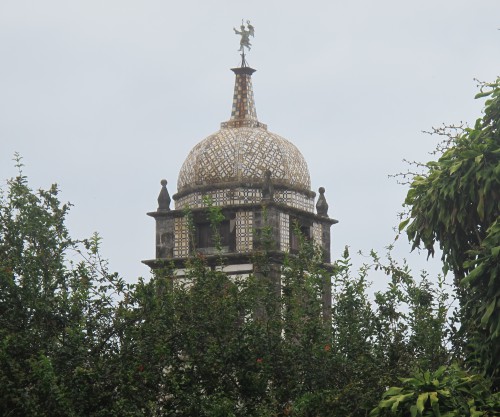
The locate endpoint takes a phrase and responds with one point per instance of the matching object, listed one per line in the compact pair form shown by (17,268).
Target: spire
(243,101)
(243,113)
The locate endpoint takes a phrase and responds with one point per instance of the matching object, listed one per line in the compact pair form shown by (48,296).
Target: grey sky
(108,97)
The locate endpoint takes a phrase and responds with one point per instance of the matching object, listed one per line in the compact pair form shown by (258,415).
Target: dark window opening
(298,231)
(206,237)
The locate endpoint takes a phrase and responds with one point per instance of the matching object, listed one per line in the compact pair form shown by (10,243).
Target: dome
(241,155)
(241,152)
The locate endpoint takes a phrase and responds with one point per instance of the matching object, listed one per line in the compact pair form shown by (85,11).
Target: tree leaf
(393,391)
(422,398)
(489,312)
(403,224)
(435,403)
(483,94)
(455,167)
(480,206)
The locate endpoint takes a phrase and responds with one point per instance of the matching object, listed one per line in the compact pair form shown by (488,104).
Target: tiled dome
(242,155)
(243,150)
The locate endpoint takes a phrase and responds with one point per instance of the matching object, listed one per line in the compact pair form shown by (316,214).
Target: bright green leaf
(482,94)
(422,398)
(393,391)
(403,224)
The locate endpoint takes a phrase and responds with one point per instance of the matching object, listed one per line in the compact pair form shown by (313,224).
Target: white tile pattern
(244,231)
(295,199)
(226,197)
(243,155)
(181,239)
(243,101)
(317,233)
(284,232)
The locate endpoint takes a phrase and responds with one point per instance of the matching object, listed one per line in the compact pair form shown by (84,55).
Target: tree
(456,204)
(207,347)
(58,341)
(76,341)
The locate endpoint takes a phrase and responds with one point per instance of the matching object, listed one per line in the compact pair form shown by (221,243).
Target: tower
(258,179)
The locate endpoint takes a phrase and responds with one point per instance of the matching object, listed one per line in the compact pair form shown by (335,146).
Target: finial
(322,205)
(243,113)
(164,197)
(267,187)
(245,33)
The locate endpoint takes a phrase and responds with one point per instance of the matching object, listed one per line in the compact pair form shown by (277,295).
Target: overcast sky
(106,98)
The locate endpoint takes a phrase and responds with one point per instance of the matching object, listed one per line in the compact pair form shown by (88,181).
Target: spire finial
(164,197)
(322,205)
(243,113)
(245,33)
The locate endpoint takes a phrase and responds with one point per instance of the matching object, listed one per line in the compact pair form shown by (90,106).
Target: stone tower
(258,179)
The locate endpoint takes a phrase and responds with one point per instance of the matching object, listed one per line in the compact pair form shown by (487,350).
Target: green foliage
(457,203)
(215,218)
(457,199)
(482,284)
(446,392)
(57,324)
(242,347)
(417,310)
(75,340)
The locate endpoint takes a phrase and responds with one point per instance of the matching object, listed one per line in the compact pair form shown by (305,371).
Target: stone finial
(322,205)
(164,197)
(267,187)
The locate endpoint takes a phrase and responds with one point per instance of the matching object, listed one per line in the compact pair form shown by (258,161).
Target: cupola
(257,178)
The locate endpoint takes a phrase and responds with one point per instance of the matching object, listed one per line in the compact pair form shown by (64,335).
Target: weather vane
(245,32)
